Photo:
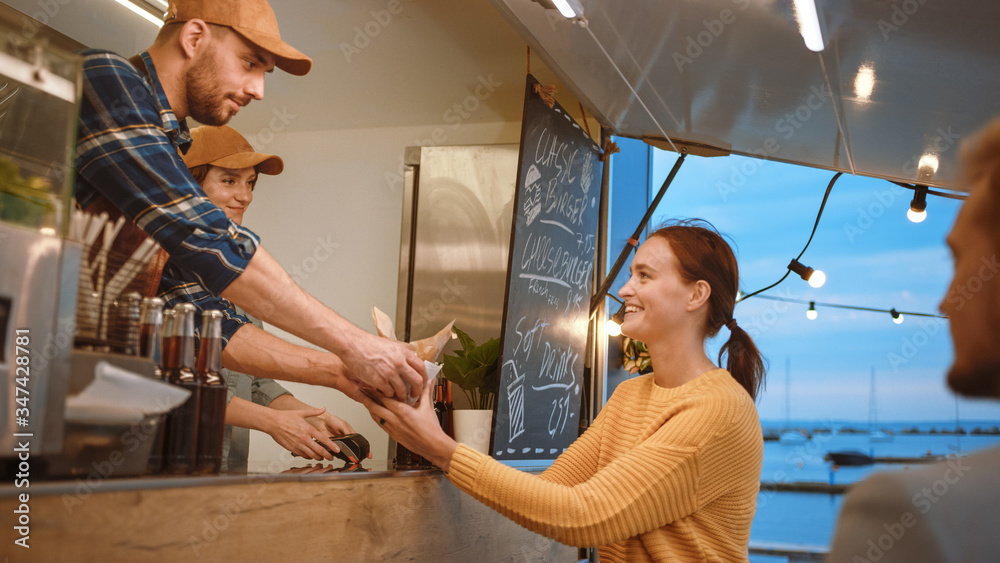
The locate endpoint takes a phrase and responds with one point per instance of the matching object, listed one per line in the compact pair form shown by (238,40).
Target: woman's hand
(294,431)
(416,427)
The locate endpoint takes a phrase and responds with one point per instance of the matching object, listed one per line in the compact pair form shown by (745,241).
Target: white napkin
(120,396)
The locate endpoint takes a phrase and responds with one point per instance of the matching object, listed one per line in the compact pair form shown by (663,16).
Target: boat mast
(872,416)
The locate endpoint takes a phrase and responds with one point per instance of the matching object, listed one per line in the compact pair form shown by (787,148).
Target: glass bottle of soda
(405,459)
(180,444)
(156,323)
(448,419)
(150,326)
(212,417)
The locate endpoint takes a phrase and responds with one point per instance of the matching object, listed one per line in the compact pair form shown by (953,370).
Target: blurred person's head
(972,302)
(226,167)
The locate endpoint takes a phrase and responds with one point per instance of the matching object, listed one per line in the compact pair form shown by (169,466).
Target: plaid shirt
(127,150)
(175,289)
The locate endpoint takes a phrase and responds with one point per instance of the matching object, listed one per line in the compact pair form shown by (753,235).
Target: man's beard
(980,381)
(205,104)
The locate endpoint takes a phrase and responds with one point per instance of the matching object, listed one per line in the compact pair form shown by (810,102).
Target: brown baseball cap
(253,19)
(226,148)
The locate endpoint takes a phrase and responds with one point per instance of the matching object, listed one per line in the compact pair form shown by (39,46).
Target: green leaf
(455,370)
(475,377)
(467,342)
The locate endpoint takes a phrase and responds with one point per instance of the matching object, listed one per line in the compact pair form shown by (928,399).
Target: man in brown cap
(208,61)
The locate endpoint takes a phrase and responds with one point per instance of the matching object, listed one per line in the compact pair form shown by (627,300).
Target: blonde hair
(979,157)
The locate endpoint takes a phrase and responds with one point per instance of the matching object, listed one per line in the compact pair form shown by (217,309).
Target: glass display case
(39,93)
(39,269)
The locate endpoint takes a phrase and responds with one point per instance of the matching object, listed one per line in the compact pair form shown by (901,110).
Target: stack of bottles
(190,439)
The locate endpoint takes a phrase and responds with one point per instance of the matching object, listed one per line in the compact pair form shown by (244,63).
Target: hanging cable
(814,304)
(795,261)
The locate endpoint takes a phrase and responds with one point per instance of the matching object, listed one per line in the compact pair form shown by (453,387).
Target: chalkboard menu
(549,284)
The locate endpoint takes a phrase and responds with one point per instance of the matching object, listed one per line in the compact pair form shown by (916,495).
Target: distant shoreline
(774,431)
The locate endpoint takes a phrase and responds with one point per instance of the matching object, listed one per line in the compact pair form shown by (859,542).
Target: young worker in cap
(207,62)
(227,168)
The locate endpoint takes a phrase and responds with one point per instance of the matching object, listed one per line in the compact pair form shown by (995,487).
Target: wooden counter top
(301,512)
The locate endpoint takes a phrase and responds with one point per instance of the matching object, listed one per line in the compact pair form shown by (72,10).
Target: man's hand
(386,366)
(266,291)
(293,431)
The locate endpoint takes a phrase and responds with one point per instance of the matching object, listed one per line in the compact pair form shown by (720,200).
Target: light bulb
(817,279)
(918,205)
(898,319)
(811,314)
(916,216)
(612,328)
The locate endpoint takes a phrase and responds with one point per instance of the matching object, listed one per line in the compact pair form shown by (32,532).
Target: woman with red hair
(670,469)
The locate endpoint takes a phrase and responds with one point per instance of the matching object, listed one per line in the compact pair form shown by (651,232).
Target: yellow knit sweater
(661,475)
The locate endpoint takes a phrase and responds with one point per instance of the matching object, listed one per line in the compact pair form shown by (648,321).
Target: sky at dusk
(873,257)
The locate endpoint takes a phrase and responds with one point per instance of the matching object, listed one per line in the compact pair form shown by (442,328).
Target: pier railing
(794,552)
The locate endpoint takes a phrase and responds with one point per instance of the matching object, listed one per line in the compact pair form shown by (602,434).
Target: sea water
(809,519)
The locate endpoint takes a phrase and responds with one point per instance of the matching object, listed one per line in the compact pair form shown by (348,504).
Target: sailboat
(789,436)
(874,434)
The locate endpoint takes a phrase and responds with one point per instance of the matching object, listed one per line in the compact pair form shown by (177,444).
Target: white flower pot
(473,428)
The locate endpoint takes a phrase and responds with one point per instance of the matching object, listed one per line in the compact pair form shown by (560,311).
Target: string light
(897,316)
(918,205)
(816,278)
(613,326)
(811,314)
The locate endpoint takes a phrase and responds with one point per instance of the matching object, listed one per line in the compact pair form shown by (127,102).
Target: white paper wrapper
(427,349)
(120,396)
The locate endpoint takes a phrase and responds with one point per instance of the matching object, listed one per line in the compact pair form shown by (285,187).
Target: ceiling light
(811,314)
(897,317)
(918,205)
(142,9)
(569,9)
(864,82)
(810,24)
(816,278)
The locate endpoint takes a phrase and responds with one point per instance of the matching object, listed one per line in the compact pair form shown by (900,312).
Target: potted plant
(475,369)
(635,356)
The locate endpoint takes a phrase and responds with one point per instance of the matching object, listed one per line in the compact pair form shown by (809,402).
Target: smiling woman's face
(230,190)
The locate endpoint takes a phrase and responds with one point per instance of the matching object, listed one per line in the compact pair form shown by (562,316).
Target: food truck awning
(899,80)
